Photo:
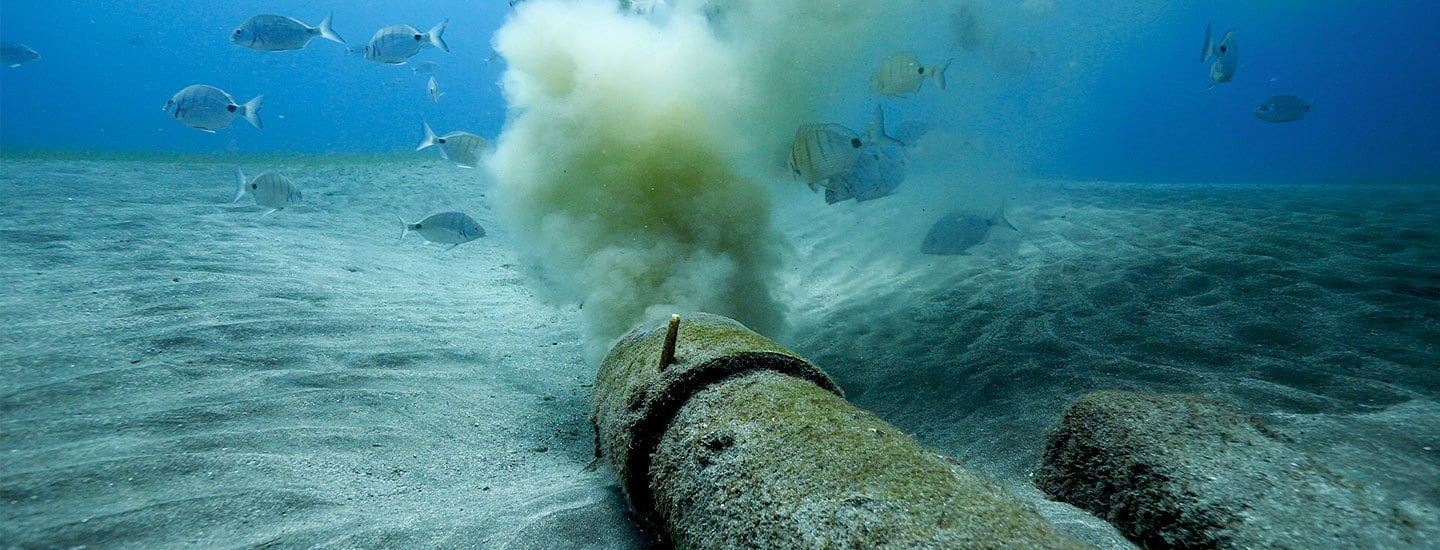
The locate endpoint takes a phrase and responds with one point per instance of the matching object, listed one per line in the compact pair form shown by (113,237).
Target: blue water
(179,367)
(1133,106)
(95,91)
(1369,72)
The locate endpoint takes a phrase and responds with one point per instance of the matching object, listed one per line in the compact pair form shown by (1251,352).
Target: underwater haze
(369,309)
(1106,90)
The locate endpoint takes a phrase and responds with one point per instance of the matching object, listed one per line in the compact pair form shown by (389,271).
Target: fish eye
(238,31)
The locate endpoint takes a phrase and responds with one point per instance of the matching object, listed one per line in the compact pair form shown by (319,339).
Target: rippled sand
(176,369)
(1316,307)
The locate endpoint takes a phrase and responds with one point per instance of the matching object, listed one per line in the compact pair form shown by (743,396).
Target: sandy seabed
(177,370)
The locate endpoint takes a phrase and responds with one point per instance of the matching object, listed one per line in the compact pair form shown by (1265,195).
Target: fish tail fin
(251,111)
(1001,220)
(239,177)
(328,33)
(404,227)
(938,73)
(436,33)
(875,133)
(430,137)
(1209,44)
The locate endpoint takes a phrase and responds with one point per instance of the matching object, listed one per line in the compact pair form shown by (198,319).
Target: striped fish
(902,74)
(462,148)
(209,108)
(396,44)
(273,33)
(823,154)
(270,190)
(822,151)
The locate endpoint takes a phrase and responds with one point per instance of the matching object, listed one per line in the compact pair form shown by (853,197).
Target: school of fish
(208,108)
(826,155)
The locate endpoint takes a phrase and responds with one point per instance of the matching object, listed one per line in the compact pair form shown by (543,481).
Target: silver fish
(877,173)
(878,170)
(957,232)
(15,55)
(270,190)
(462,148)
(209,108)
(425,67)
(432,89)
(1282,108)
(452,228)
(396,44)
(1227,58)
(902,74)
(273,33)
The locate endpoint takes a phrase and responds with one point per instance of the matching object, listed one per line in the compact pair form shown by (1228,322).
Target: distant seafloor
(176,369)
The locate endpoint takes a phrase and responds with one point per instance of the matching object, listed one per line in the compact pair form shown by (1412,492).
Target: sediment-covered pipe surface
(741,443)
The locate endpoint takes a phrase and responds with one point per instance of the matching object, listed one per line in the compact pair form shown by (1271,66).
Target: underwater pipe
(723,439)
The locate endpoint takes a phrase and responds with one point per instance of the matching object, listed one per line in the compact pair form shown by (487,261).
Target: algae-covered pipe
(1185,471)
(723,439)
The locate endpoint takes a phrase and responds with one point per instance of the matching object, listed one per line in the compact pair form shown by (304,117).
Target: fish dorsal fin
(1209,48)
